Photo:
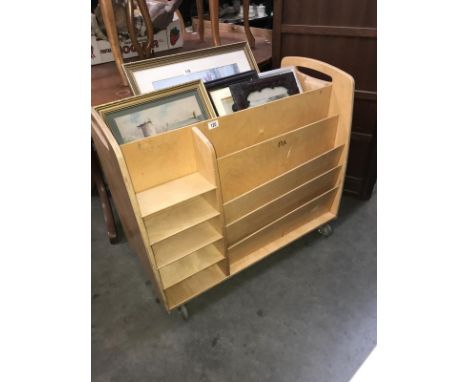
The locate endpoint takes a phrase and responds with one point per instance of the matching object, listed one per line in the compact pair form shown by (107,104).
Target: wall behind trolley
(343,34)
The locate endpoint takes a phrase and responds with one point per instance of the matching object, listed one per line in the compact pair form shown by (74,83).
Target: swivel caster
(184,312)
(325,230)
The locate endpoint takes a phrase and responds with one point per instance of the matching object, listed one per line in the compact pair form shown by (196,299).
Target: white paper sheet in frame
(222,100)
(144,78)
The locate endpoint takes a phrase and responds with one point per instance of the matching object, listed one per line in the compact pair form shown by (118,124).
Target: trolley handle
(316,65)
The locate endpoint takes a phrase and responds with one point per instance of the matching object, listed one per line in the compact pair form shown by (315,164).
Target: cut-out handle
(312,64)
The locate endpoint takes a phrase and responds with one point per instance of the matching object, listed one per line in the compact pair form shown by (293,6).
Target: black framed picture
(263,90)
(220,93)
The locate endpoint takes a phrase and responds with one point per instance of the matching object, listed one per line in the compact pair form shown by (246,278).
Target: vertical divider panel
(159,159)
(207,166)
(124,198)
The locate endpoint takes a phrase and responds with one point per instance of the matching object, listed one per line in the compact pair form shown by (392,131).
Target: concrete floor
(305,314)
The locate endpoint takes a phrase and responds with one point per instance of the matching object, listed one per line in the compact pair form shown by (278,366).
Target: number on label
(213,124)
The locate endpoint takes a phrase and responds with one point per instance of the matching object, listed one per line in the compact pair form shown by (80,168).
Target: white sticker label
(213,124)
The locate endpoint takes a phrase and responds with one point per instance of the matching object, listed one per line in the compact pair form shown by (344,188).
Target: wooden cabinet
(344,34)
(200,204)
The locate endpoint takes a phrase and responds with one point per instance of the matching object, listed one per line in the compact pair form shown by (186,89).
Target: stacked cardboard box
(170,38)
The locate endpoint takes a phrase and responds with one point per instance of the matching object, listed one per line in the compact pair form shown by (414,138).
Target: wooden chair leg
(143,50)
(98,180)
(132,31)
(214,18)
(248,32)
(201,20)
(149,26)
(111,29)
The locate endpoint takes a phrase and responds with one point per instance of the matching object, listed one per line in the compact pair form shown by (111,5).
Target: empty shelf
(189,265)
(176,219)
(186,242)
(279,242)
(282,231)
(193,286)
(168,194)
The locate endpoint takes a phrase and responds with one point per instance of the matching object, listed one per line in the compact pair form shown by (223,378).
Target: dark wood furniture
(344,34)
(97,180)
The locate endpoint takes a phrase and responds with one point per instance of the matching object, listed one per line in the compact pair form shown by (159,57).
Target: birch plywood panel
(281,232)
(266,192)
(249,127)
(160,159)
(281,206)
(246,169)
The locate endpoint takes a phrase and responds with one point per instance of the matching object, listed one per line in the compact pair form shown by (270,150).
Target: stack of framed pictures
(205,64)
(178,90)
(269,87)
(220,91)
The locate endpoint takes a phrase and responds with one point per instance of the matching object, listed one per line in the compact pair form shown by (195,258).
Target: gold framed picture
(157,112)
(204,64)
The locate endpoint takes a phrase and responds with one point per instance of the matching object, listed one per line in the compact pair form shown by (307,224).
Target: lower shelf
(208,278)
(279,243)
(257,246)
(191,264)
(178,246)
(195,285)
(281,232)
(172,221)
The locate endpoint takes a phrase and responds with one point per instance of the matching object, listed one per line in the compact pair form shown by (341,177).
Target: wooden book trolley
(200,204)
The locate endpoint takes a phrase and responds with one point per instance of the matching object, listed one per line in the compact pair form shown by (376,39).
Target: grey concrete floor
(307,313)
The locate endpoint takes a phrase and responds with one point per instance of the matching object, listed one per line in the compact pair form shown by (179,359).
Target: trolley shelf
(186,242)
(193,286)
(171,193)
(260,195)
(248,168)
(172,221)
(279,242)
(189,265)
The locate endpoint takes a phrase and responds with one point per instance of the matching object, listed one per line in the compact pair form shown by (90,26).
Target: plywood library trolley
(199,204)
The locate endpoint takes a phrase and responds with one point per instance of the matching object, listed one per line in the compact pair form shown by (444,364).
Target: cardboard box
(175,38)
(170,38)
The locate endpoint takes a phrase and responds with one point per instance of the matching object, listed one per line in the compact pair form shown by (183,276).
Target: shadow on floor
(305,313)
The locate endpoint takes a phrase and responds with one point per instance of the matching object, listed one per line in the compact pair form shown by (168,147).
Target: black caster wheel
(183,312)
(325,230)
(114,239)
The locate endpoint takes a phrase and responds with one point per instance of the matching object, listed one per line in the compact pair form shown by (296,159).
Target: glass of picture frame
(205,64)
(157,112)
(220,93)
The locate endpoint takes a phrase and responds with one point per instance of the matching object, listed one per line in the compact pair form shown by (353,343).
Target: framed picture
(157,112)
(286,69)
(220,93)
(258,92)
(204,64)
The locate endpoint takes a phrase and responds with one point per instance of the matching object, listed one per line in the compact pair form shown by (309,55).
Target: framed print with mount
(154,113)
(275,72)
(205,64)
(258,92)
(220,94)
